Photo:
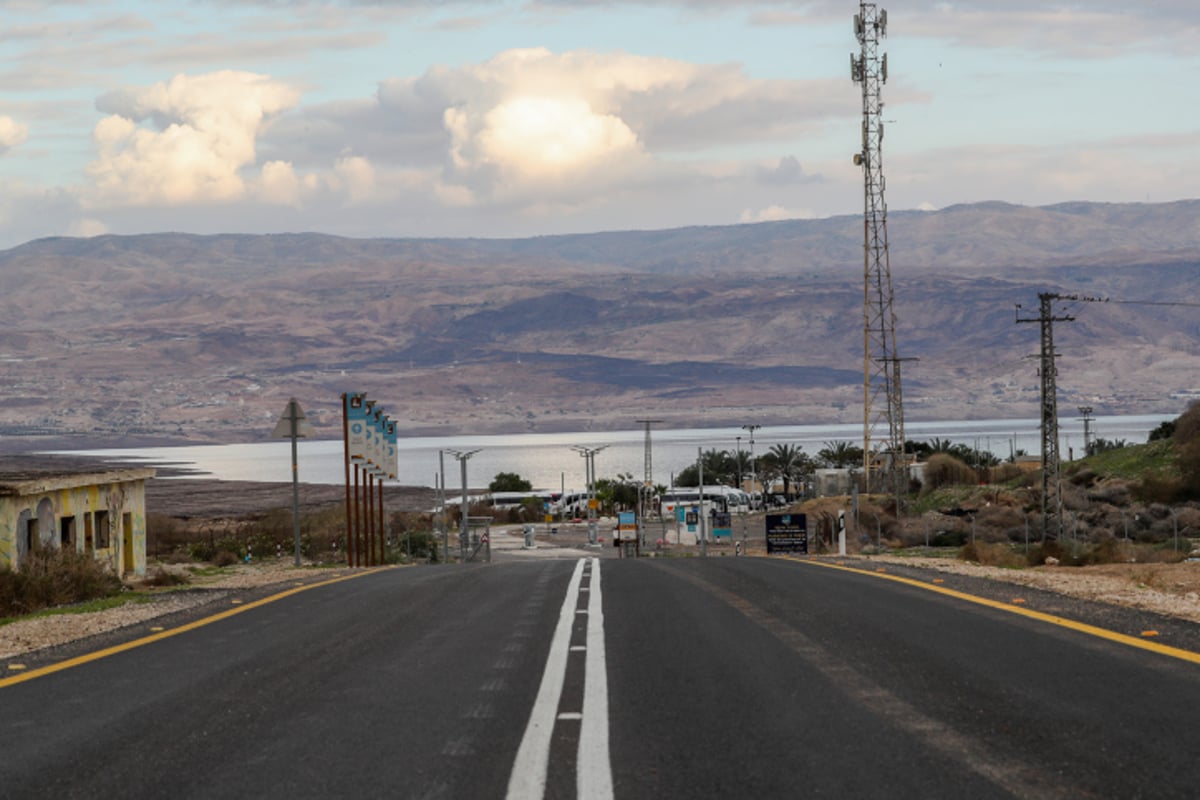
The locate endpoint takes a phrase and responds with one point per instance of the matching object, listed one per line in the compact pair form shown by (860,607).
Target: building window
(103,540)
(66,531)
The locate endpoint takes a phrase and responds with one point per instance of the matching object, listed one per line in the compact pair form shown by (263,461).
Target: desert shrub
(1108,550)
(949,538)
(1156,554)
(165,577)
(1113,492)
(1189,517)
(1003,473)
(53,577)
(225,558)
(946,470)
(424,545)
(1187,425)
(993,523)
(1050,548)
(1083,477)
(1154,487)
(164,534)
(991,554)
(202,550)
(1028,479)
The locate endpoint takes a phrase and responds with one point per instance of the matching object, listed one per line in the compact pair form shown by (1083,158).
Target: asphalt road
(649,678)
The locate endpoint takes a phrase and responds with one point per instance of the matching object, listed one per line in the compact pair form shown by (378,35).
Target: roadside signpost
(626,537)
(292,425)
(370,442)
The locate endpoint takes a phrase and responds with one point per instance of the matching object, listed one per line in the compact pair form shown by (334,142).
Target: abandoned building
(98,511)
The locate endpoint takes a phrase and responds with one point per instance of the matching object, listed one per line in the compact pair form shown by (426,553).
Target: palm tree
(840,454)
(788,462)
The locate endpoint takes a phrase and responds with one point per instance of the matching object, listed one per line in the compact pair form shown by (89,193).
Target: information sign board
(787,533)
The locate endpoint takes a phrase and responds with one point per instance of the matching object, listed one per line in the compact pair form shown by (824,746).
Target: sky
(512,119)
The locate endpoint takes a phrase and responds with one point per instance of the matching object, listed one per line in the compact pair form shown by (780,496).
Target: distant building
(101,512)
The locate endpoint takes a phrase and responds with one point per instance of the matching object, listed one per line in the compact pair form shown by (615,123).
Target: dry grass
(53,577)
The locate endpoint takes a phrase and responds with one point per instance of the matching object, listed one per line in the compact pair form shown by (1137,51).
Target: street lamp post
(589,464)
(464,531)
(739,463)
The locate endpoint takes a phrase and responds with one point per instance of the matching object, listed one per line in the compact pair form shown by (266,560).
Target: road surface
(631,678)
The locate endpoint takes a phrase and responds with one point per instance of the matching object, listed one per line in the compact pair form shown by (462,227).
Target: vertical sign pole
(465,531)
(346,450)
(382,527)
(700,509)
(294,413)
(357,522)
(442,506)
(369,518)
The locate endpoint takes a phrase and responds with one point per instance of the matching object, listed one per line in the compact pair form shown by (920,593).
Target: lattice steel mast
(1048,372)
(882,399)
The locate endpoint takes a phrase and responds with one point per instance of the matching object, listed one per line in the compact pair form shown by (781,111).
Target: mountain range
(175,337)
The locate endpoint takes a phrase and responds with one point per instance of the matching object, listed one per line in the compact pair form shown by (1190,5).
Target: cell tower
(882,403)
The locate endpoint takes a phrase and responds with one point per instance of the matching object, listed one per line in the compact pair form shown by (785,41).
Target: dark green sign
(787,533)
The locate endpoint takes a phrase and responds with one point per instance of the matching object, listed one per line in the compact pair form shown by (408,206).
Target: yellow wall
(117,499)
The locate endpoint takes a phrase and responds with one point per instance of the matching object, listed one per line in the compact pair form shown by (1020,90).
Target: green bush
(949,539)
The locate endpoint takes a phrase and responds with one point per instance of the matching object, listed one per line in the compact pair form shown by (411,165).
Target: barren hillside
(204,338)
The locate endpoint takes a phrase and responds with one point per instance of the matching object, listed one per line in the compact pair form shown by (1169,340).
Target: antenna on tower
(882,398)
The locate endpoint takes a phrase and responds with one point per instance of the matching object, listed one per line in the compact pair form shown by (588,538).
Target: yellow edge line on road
(1082,627)
(191,626)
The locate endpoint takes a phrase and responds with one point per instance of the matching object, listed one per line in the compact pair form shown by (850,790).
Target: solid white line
(593,766)
(528,778)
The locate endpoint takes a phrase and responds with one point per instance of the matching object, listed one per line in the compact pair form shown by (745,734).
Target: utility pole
(589,466)
(739,464)
(464,530)
(1086,411)
(1049,421)
(647,481)
(753,466)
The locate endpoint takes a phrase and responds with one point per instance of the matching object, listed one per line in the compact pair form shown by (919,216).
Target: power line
(1151,303)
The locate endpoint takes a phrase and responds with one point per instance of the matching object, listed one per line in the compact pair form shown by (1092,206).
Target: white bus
(689,496)
(571,503)
(502,501)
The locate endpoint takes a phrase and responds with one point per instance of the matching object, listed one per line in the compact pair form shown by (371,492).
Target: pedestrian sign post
(292,425)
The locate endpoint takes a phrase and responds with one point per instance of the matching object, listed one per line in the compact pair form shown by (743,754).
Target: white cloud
(12,133)
(531,126)
(86,228)
(203,133)
(355,177)
(774,214)
(279,185)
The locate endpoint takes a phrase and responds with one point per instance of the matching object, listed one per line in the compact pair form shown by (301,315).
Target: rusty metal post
(357,521)
(382,527)
(346,451)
